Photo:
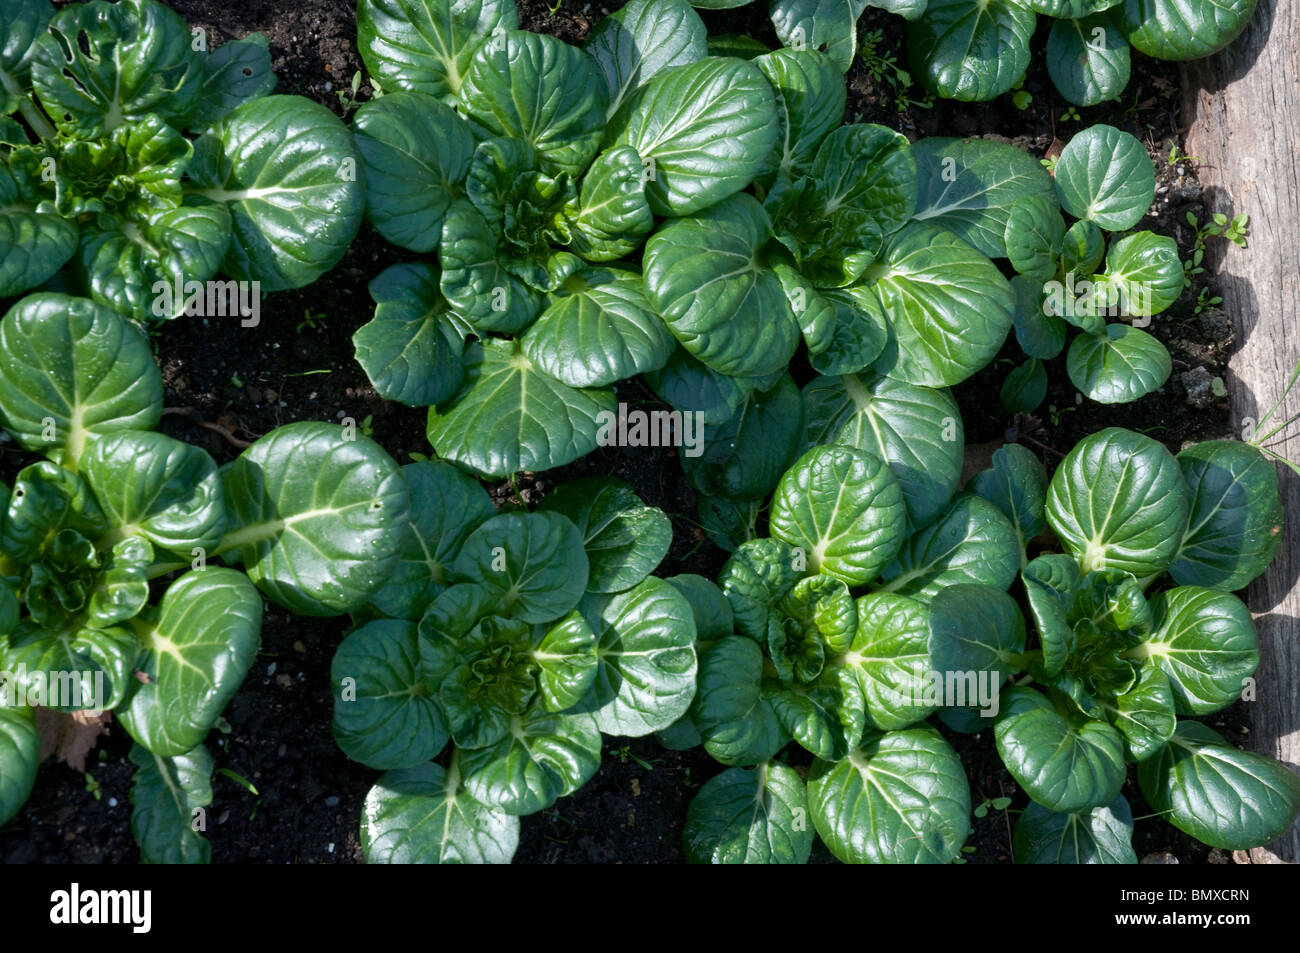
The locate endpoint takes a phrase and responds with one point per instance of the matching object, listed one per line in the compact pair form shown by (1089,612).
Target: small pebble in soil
(332,801)
(270,669)
(112,802)
(1199,384)
(281,751)
(1160,857)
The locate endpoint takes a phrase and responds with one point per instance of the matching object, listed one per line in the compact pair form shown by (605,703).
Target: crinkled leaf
(731,710)
(386,712)
(646,647)
(901,798)
(625,539)
(510,416)
(744,457)
(423,815)
(753,815)
(78,366)
(318,520)
(1118,501)
(544,758)
(917,430)
(1102,835)
(287,169)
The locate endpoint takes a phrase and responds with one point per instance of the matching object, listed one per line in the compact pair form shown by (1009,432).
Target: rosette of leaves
(531,170)
(135,165)
(502,649)
(978,51)
(109,585)
(1067,276)
(1136,630)
(838,255)
(821,634)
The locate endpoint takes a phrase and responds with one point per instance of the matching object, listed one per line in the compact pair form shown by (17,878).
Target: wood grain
(1243,110)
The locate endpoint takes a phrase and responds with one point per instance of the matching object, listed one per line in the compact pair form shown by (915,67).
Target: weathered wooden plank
(1243,110)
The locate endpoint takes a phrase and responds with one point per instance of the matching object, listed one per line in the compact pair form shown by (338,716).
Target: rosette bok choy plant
(501,650)
(533,169)
(978,51)
(848,630)
(1138,633)
(135,165)
(111,597)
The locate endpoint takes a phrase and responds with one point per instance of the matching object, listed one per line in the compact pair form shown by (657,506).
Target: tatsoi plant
(502,647)
(532,168)
(976,51)
(1138,630)
(846,628)
(841,254)
(99,171)
(1104,180)
(832,647)
(93,613)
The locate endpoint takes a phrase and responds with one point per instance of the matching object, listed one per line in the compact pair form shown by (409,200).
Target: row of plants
(664,203)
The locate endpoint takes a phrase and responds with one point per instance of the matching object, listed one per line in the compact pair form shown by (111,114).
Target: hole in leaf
(83,42)
(247,71)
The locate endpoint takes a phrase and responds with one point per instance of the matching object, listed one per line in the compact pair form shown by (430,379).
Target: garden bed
(228,386)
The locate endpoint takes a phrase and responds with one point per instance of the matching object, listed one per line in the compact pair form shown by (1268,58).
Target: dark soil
(229,385)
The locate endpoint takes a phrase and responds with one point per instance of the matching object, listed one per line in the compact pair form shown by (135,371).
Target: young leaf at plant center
(1051,582)
(810,100)
(1146,271)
